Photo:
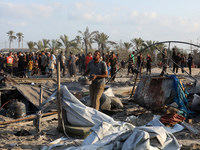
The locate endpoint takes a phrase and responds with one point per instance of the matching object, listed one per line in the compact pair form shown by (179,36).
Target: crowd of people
(43,63)
(29,64)
(179,61)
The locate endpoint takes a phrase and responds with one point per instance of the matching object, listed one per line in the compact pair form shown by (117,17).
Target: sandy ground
(121,88)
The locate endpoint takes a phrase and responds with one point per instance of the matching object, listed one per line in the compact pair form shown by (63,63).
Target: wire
(5,104)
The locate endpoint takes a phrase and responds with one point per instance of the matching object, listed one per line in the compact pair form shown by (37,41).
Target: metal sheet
(153,93)
(32,93)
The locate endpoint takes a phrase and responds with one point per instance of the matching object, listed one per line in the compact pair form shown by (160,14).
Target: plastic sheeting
(174,129)
(148,138)
(109,134)
(77,113)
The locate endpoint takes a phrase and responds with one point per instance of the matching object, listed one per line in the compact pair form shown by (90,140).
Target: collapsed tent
(107,133)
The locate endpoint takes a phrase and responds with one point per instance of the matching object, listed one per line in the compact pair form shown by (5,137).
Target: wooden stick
(27,118)
(39,115)
(133,90)
(58,96)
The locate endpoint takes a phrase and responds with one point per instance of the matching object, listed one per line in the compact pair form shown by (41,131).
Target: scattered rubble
(153,96)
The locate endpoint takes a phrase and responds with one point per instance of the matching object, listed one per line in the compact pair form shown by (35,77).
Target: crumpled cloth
(171,119)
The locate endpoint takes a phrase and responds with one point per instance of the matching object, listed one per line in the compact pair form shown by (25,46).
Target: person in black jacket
(149,60)
(173,57)
(177,59)
(190,61)
(20,65)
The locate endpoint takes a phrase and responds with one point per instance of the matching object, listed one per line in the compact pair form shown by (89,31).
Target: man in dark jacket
(190,61)
(177,59)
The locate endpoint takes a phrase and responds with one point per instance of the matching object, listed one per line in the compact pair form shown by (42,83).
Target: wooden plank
(55,116)
(7,89)
(26,118)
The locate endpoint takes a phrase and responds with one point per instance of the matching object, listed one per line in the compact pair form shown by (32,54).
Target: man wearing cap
(98,73)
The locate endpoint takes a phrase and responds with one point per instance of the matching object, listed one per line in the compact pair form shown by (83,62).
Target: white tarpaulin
(110,134)
(174,129)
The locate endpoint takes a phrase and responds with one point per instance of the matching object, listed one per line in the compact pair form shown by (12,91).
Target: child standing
(30,66)
(109,68)
(52,63)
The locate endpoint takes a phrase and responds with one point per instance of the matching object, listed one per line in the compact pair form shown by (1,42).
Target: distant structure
(23,50)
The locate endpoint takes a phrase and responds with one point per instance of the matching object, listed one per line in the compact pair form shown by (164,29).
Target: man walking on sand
(98,73)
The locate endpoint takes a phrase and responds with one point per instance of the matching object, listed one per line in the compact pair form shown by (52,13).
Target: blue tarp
(180,97)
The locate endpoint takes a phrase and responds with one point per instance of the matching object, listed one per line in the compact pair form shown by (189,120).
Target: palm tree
(55,44)
(20,37)
(40,46)
(31,45)
(151,48)
(45,43)
(138,44)
(127,46)
(11,37)
(78,41)
(87,36)
(97,38)
(67,44)
(102,40)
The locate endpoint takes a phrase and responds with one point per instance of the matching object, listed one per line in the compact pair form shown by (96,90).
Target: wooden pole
(58,97)
(27,118)
(133,90)
(39,114)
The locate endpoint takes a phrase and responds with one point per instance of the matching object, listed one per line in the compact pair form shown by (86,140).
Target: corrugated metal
(152,93)
(32,93)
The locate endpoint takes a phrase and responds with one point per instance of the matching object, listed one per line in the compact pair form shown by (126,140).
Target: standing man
(72,65)
(130,64)
(88,58)
(173,57)
(133,55)
(61,58)
(43,62)
(113,63)
(149,60)
(139,59)
(177,60)
(164,62)
(182,62)
(9,63)
(190,61)
(20,65)
(98,73)
(15,65)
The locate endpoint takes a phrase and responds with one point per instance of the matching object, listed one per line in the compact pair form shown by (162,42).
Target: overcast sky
(159,20)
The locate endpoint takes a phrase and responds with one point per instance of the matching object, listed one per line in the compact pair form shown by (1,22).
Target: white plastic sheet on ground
(174,129)
(109,134)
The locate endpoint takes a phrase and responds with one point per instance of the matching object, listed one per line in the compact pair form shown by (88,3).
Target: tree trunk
(10,44)
(102,49)
(85,47)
